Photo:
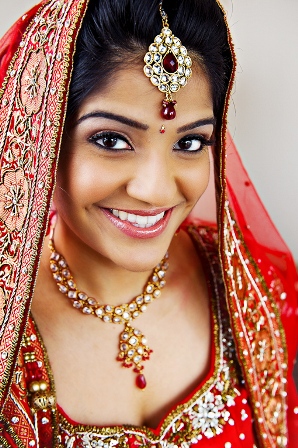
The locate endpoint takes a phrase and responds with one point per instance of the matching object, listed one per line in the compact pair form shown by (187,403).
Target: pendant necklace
(133,348)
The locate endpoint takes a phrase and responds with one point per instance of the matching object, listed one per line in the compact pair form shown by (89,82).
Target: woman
(134,98)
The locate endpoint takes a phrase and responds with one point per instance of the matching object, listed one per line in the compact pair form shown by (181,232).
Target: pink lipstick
(132,230)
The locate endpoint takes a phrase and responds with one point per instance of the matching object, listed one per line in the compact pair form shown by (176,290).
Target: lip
(138,232)
(151,212)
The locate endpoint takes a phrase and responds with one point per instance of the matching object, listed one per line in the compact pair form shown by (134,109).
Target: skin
(150,173)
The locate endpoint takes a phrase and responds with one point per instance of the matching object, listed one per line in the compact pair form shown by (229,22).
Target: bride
(127,320)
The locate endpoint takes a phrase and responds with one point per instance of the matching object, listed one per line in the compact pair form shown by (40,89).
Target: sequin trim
(259,334)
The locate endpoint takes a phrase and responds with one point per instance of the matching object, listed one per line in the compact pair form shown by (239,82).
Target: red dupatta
(35,69)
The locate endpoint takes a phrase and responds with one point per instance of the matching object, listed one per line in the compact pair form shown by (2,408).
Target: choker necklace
(133,348)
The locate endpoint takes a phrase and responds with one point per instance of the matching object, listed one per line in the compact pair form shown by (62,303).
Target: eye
(111,141)
(192,143)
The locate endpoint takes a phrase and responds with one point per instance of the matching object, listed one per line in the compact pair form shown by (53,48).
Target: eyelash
(118,137)
(110,135)
(195,137)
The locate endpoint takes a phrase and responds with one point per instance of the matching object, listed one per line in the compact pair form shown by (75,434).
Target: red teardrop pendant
(141,381)
(170,63)
(168,111)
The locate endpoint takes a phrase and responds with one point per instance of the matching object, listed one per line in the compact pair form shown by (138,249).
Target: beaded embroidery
(32,107)
(261,340)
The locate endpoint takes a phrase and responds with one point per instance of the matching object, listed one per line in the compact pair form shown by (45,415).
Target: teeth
(122,215)
(142,220)
(138,220)
(151,219)
(131,218)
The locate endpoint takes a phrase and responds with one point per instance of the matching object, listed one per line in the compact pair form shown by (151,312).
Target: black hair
(117,32)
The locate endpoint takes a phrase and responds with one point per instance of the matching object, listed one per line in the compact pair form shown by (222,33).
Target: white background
(263,116)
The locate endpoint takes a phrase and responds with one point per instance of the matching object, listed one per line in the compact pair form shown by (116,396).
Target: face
(123,187)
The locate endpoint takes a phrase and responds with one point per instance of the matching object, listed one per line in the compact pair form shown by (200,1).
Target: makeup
(132,230)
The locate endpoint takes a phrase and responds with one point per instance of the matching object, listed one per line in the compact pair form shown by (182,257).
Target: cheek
(197,178)
(85,181)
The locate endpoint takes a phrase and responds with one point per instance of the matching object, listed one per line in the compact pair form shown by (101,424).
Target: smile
(141,224)
(141,221)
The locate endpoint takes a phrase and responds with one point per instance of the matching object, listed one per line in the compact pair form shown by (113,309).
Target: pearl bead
(34,386)
(43,385)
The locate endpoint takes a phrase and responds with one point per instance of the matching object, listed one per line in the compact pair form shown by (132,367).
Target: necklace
(133,348)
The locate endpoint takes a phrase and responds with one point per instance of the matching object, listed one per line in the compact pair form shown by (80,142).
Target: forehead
(130,93)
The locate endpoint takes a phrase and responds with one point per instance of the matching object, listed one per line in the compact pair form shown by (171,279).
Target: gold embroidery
(33,101)
(2,304)
(13,199)
(259,334)
(33,82)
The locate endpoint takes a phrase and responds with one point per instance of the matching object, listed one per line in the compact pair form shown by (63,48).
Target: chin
(140,259)
(143,264)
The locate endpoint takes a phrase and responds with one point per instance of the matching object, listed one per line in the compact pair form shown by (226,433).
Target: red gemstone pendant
(168,66)
(170,63)
(168,111)
(141,381)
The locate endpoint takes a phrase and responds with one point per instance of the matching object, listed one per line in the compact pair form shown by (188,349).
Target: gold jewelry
(133,348)
(167,65)
(162,129)
(41,398)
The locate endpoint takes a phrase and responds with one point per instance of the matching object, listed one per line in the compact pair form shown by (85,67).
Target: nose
(155,181)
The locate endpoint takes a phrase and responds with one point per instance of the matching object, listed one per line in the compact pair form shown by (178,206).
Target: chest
(84,363)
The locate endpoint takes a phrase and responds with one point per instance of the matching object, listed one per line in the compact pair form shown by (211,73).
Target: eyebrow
(197,124)
(137,125)
(115,117)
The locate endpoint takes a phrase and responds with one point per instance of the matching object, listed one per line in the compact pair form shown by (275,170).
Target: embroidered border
(259,334)
(32,108)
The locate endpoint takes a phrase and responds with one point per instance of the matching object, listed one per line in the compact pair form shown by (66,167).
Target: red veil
(260,278)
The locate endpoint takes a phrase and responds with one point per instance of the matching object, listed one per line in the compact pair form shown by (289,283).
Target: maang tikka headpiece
(167,65)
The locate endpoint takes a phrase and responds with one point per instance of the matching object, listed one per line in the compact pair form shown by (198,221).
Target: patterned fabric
(31,114)
(258,271)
